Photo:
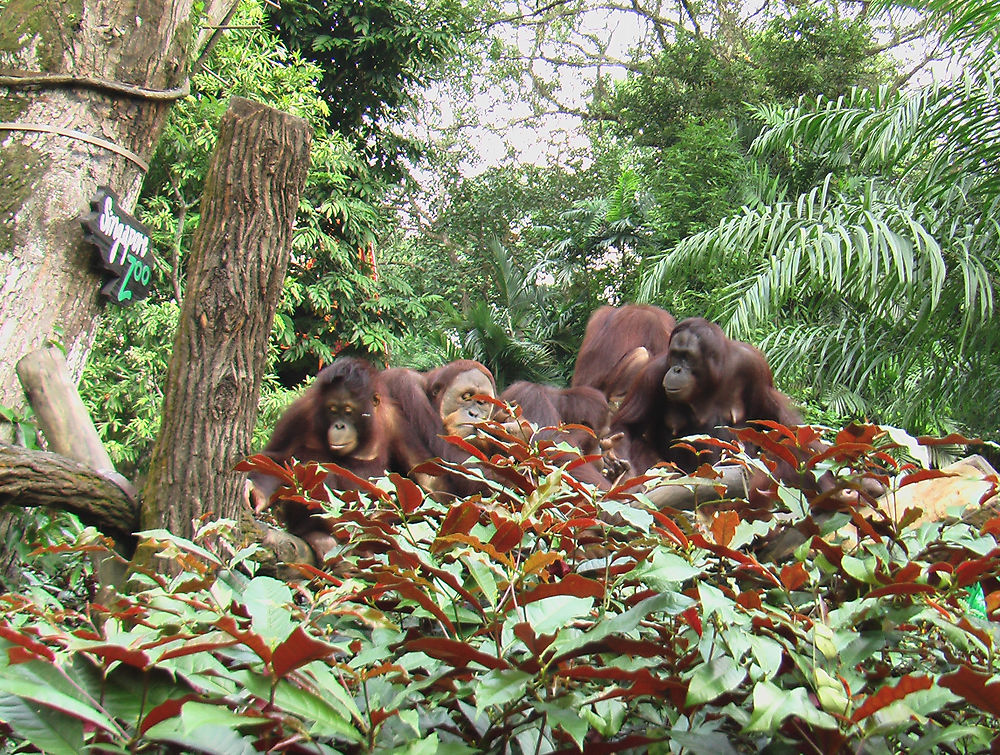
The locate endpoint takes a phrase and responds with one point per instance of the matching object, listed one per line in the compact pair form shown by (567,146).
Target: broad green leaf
(709,680)
(267,600)
(484,577)
(767,652)
(42,684)
(637,516)
(553,613)
(566,717)
(207,728)
(699,742)
(49,730)
(664,569)
(772,705)
(714,601)
(499,687)
(862,570)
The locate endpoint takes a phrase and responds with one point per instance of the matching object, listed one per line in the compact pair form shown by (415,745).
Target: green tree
(883,273)
(371,58)
(331,301)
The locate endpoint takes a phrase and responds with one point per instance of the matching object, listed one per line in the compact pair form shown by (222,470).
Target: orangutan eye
(467,396)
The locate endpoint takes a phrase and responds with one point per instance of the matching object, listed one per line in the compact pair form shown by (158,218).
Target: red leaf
(724,526)
(409,494)
(972,571)
(671,527)
(461,518)
(902,588)
(842,452)
(888,695)
(507,537)
(163,711)
(794,576)
(833,553)
(922,474)
(907,573)
(134,658)
(536,644)
(974,688)
(748,561)
(858,434)
(251,639)
(358,483)
(693,619)
(455,652)
(411,591)
(35,649)
(378,715)
(297,650)
(467,447)
(764,441)
(265,465)
(573,584)
(749,599)
(991,526)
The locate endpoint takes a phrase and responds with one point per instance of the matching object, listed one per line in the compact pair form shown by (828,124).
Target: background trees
(423,235)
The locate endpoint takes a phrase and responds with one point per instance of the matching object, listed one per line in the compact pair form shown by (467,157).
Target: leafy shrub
(522,621)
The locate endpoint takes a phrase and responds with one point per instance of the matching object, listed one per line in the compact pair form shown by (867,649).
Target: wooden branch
(41,478)
(59,410)
(687,496)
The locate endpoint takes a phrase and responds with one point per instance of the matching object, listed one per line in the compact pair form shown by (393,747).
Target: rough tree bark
(103,71)
(238,260)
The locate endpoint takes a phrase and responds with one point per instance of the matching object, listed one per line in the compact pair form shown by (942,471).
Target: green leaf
(267,600)
(772,705)
(637,516)
(565,716)
(42,684)
(862,570)
(717,677)
(664,569)
(207,728)
(767,652)
(499,687)
(553,613)
(49,730)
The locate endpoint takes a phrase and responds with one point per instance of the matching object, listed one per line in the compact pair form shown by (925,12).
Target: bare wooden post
(60,412)
(70,432)
(238,261)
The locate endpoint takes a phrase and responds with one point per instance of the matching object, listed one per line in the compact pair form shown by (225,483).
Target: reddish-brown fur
(420,397)
(732,385)
(301,434)
(617,344)
(548,406)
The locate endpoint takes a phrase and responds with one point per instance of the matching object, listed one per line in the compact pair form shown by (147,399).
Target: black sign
(123,246)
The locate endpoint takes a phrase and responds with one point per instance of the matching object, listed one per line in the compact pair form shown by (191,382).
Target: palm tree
(874,290)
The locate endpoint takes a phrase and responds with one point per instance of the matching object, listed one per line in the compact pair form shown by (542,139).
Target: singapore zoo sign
(123,248)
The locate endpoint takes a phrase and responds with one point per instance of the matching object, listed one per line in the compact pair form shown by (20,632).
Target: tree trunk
(104,70)
(238,260)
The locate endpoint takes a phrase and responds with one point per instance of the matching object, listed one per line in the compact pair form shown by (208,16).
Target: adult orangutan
(617,344)
(343,417)
(447,400)
(702,383)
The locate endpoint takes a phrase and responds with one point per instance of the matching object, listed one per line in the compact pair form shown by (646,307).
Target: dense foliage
(335,296)
(525,623)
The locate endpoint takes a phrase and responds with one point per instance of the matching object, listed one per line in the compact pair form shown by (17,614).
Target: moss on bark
(20,169)
(28,24)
